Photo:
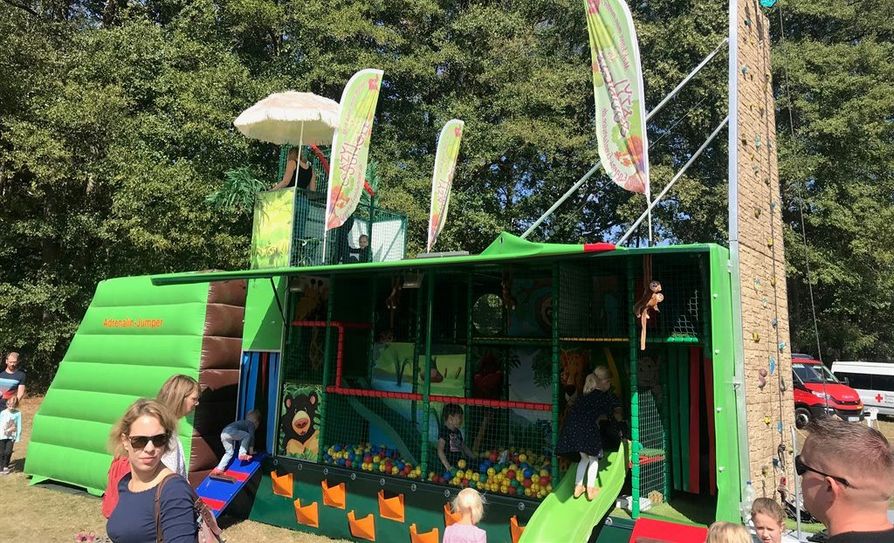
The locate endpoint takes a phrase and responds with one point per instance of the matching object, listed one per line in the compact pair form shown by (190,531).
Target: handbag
(209,531)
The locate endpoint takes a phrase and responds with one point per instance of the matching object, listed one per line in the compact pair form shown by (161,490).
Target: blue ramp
(218,494)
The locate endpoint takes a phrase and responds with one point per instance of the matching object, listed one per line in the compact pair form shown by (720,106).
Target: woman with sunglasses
(142,435)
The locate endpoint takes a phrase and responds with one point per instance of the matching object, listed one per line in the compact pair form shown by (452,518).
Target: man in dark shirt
(12,380)
(847,478)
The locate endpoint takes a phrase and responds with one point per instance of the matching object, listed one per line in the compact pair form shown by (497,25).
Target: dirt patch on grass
(48,512)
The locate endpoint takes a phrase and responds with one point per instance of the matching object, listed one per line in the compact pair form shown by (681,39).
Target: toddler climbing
(242,431)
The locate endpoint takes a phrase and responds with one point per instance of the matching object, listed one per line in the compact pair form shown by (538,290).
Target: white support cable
(670,96)
(673,180)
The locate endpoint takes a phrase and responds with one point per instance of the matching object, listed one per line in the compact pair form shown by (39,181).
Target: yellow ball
(491,471)
(534,479)
(461,464)
(522,457)
(528,492)
(476,477)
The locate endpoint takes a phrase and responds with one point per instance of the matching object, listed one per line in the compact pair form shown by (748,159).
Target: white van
(873,381)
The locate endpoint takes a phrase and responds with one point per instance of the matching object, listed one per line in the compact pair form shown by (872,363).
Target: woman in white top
(180,394)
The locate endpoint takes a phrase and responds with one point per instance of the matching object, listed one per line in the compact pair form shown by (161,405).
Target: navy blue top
(581,432)
(133,520)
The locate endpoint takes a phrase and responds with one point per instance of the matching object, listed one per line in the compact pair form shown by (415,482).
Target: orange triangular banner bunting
(282,484)
(333,496)
(514,529)
(391,508)
(428,537)
(308,515)
(449,516)
(364,528)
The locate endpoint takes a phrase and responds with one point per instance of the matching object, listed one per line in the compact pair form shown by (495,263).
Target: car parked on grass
(817,393)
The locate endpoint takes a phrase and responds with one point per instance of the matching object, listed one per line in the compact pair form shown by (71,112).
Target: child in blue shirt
(10,431)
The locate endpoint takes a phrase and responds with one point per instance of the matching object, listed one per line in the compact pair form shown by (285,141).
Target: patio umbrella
(296,118)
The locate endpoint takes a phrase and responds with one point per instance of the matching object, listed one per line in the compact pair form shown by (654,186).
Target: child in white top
(470,505)
(10,431)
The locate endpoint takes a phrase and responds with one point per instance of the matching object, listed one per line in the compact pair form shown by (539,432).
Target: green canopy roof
(506,247)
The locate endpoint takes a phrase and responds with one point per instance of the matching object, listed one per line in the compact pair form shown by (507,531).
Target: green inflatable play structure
(132,338)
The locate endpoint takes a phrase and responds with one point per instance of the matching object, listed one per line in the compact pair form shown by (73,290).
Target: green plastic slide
(132,338)
(563,519)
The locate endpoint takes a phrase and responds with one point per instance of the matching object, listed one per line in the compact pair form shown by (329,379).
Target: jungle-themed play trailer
(353,352)
(371,353)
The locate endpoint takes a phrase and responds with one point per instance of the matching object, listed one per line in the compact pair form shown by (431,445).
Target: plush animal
(652,305)
(301,436)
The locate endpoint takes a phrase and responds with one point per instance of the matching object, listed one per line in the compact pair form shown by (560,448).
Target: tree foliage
(116,128)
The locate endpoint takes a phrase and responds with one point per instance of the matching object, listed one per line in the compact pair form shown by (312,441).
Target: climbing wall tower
(758,259)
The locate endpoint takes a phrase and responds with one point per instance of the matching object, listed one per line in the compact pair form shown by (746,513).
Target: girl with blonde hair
(727,532)
(180,394)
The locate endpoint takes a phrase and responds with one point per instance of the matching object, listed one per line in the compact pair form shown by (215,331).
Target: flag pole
(651,114)
(670,183)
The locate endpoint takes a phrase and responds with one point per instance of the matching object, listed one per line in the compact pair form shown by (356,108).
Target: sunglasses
(801,468)
(158,441)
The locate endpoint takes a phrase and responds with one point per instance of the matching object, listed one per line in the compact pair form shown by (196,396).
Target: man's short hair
(12,354)
(860,452)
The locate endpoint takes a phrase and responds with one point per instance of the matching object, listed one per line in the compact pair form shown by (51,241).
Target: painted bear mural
(300,434)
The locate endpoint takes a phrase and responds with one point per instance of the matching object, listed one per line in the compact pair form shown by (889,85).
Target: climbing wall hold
(757,213)
(767,420)
(756,337)
(772,365)
(782,387)
(757,142)
(761,378)
(769,242)
(773,281)
(774,323)
(781,346)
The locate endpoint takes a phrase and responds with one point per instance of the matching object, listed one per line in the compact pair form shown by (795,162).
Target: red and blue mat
(218,494)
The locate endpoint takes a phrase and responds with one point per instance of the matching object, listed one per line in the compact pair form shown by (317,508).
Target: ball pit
(371,458)
(510,472)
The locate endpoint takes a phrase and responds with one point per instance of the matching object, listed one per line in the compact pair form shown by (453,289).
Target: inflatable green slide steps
(133,337)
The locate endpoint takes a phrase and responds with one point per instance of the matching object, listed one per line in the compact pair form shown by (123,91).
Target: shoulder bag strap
(159,537)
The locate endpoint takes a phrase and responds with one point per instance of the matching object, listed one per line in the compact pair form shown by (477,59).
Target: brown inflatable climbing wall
(218,374)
